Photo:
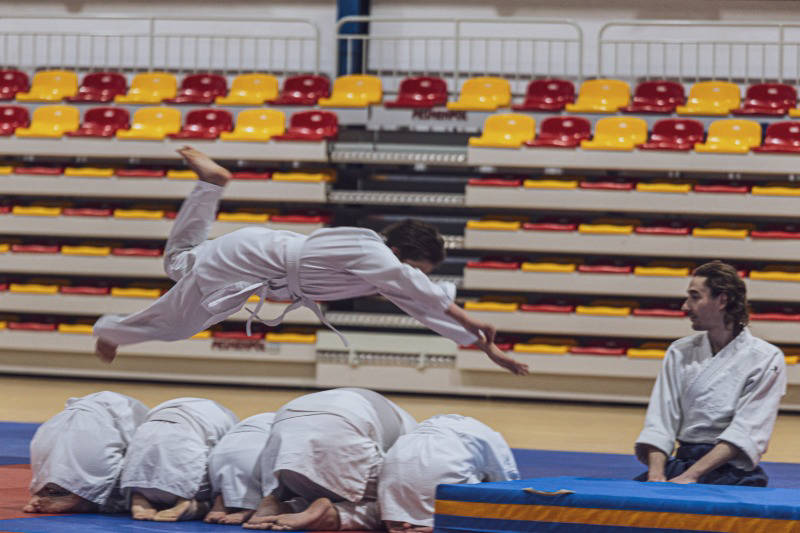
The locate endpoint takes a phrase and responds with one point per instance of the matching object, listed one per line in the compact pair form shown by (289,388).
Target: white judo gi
(335,439)
(168,456)
(233,466)
(700,397)
(215,278)
(81,449)
(442,449)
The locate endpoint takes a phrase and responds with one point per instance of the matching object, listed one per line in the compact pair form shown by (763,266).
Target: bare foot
(183,510)
(141,508)
(320,515)
(206,168)
(268,510)
(54,504)
(235,518)
(217,511)
(105,351)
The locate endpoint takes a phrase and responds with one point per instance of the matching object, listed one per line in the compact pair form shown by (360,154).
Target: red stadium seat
(420,92)
(102,122)
(204,124)
(100,87)
(562,132)
(13,82)
(659,96)
(781,137)
(304,89)
(200,89)
(674,134)
(768,99)
(311,126)
(547,95)
(13,117)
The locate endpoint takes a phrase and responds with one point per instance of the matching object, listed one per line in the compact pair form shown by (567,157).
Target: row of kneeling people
(344,459)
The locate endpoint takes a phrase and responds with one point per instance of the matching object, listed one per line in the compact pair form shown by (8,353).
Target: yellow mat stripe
(616,517)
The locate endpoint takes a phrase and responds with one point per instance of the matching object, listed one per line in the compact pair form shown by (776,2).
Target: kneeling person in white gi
(442,449)
(234,470)
(76,456)
(325,452)
(214,278)
(165,470)
(717,393)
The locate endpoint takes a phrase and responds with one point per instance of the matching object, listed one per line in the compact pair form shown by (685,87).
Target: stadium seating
(601,96)
(354,90)
(51,121)
(102,122)
(13,117)
(562,132)
(547,95)
(768,99)
(152,123)
(420,92)
(781,137)
(205,124)
(201,88)
(100,87)
(674,134)
(11,83)
(304,89)
(149,88)
(505,130)
(731,136)
(617,133)
(50,86)
(311,126)
(482,94)
(657,96)
(711,98)
(256,125)
(250,89)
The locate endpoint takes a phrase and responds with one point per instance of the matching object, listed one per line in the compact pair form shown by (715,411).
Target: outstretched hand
(105,351)
(500,358)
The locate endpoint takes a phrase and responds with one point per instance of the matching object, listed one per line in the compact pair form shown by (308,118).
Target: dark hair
(722,278)
(415,240)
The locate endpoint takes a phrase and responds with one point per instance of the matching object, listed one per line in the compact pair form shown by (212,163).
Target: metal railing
(131,44)
(517,49)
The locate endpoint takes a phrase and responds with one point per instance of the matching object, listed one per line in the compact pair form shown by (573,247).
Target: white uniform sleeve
(663,412)
(499,461)
(409,289)
(757,409)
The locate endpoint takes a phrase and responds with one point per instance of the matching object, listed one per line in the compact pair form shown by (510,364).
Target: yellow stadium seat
(601,96)
(250,89)
(299,338)
(33,288)
(720,233)
(3,324)
(202,335)
(135,292)
(86,250)
(51,121)
(646,353)
(35,211)
(51,86)
(81,329)
(608,226)
(175,174)
(498,307)
(355,90)
(242,217)
(4,247)
(774,190)
(711,98)
(482,94)
(792,359)
(548,267)
(661,271)
(505,130)
(602,310)
(149,88)
(256,125)
(542,347)
(149,214)
(6,169)
(550,184)
(303,176)
(497,225)
(153,124)
(776,274)
(664,187)
(89,172)
(617,133)
(732,136)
